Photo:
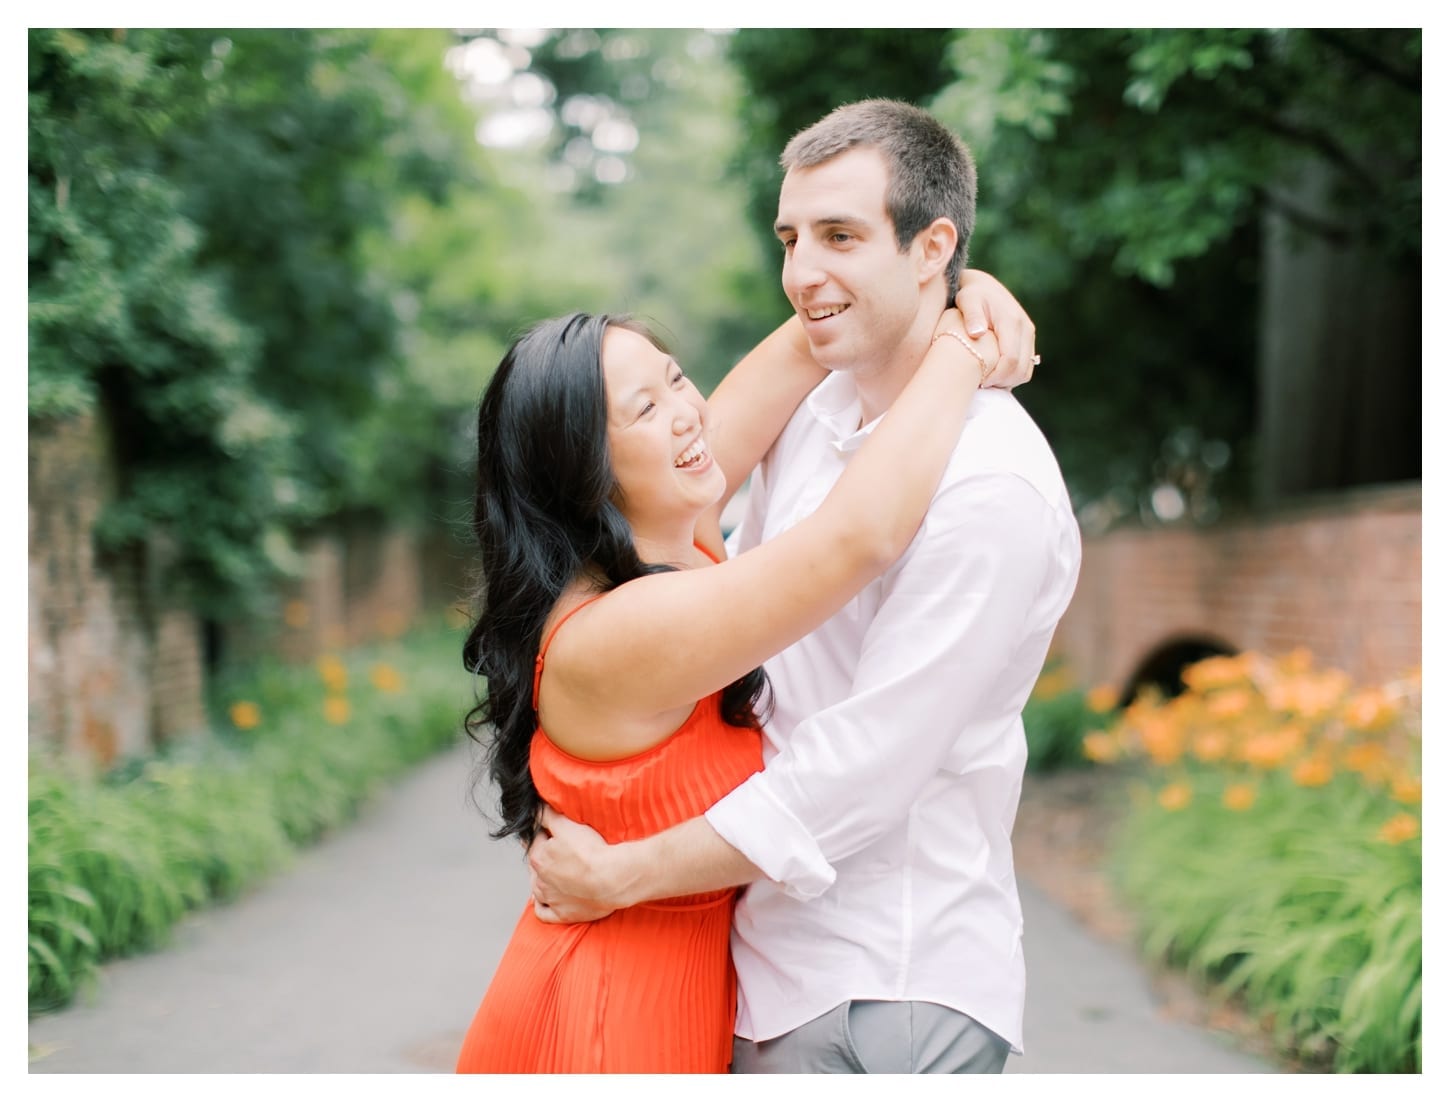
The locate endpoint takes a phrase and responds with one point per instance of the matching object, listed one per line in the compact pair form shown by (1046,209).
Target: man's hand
(986,304)
(566,863)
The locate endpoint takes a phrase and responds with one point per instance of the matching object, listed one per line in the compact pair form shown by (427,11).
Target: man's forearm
(683,860)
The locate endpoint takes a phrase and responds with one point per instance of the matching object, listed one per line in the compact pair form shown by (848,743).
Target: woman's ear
(937,244)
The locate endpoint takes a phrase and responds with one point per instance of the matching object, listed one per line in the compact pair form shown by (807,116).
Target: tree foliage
(201,204)
(278,265)
(1125,176)
(638,205)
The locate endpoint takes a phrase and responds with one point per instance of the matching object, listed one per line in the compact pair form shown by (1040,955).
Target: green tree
(1191,210)
(795,76)
(636,203)
(202,207)
(1184,213)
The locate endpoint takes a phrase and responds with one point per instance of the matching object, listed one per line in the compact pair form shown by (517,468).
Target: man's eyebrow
(848,221)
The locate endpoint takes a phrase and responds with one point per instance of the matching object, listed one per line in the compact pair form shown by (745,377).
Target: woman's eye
(679,378)
(647,407)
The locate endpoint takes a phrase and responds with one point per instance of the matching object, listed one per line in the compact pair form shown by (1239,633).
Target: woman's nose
(687,417)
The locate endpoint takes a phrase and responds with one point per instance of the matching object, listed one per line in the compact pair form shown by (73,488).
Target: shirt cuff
(752,820)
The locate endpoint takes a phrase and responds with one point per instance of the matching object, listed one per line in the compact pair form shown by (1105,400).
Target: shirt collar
(836,404)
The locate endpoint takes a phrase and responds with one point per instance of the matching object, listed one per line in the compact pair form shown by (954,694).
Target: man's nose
(802,270)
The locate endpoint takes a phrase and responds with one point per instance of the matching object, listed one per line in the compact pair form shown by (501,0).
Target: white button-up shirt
(895,755)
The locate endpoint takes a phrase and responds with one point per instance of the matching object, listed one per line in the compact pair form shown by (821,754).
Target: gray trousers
(878,1037)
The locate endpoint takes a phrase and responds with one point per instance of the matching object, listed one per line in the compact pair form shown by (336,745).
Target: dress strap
(539,661)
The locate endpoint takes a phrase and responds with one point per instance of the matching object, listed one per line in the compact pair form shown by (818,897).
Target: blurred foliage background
(281,264)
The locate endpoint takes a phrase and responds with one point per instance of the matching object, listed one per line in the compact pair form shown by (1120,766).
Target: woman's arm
(662,642)
(754,401)
(986,304)
(751,406)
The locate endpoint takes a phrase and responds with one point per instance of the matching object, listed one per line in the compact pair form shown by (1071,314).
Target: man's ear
(937,244)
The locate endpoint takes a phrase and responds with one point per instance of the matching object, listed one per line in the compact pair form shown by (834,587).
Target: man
(881,930)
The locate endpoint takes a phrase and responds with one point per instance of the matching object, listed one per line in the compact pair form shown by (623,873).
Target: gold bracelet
(964,343)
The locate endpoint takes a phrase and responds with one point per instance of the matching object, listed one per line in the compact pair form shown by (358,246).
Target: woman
(624,675)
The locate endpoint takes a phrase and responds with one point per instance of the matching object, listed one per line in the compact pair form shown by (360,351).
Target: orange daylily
(332,672)
(244,715)
(1211,746)
(1103,699)
(1401,828)
(1313,772)
(1212,673)
(1370,710)
(1239,797)
(385,678)
(1175,797)
(1406,790)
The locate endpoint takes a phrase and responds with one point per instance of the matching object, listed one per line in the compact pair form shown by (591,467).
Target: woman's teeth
(690,454)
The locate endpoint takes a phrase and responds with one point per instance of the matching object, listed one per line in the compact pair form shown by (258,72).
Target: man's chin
(829,356)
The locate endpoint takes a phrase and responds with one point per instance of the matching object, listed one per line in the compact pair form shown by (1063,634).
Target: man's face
(855,292)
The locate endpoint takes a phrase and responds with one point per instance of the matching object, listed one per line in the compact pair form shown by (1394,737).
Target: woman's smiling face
(657,439)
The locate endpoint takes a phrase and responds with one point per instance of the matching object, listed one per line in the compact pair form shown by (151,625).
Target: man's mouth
(819,313)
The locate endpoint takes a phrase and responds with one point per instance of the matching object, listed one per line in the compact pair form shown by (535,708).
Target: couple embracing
(768,793)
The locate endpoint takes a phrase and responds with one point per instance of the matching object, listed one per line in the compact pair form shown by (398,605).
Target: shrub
(116,861)
(1058,716)
(1275,850)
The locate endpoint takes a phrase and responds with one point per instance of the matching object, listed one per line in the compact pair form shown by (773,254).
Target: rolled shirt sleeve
(946,664)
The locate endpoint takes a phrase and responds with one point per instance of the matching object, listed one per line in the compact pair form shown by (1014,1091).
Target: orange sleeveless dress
(646,989)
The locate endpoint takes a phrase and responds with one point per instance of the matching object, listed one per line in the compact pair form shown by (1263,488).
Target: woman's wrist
(956,337)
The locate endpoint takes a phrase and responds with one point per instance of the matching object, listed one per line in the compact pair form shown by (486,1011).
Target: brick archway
(1338,574)
(1162,667)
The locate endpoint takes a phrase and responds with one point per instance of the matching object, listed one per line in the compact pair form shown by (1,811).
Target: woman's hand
(986,305)
(952,326)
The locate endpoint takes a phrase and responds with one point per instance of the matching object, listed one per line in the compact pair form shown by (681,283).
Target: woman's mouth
(694,457)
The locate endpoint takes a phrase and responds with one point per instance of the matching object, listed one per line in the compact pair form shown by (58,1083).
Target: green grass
(116,861)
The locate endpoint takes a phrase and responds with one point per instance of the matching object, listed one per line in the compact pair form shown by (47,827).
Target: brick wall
(115,669)
(1339,575)
(357,585)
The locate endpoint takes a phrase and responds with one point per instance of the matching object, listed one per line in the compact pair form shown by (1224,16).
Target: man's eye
(786,243)
(840,238)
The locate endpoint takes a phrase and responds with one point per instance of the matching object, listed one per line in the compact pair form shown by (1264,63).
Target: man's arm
(847,774)
(945,667)
(683,860)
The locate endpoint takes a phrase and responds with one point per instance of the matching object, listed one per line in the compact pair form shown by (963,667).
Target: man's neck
(878,388)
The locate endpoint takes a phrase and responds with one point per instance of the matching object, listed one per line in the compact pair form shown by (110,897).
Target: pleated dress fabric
(646,989)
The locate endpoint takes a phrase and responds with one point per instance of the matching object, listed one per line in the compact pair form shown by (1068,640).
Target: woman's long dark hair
(543,517)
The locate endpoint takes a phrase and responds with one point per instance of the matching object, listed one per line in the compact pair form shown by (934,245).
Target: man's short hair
(930,172)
